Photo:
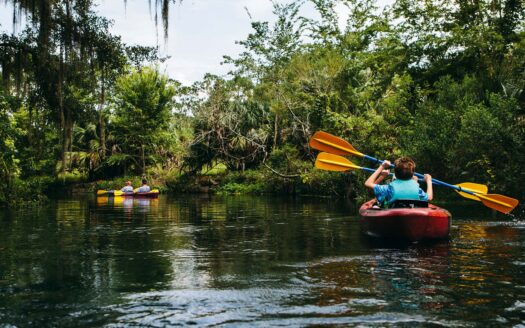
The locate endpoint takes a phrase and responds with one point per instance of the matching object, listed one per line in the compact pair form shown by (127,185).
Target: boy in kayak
(404,186)
(144,187)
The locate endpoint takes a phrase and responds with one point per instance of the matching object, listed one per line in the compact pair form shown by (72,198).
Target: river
(251,261)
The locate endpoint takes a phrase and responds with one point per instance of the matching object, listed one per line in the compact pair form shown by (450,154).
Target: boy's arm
(370,182)
(382,176)
(430,192)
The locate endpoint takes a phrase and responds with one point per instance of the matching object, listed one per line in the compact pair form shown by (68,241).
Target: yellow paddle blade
(329,143)
(473,187)
(499,203)
(101,192)
(331,162)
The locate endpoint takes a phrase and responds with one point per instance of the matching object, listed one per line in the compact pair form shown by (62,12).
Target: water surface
(251,261)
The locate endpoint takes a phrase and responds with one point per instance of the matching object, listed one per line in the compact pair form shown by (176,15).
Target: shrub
(184,183)
(31,191)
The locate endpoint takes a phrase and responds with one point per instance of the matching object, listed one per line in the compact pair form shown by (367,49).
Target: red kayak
(410,223)
(149,194)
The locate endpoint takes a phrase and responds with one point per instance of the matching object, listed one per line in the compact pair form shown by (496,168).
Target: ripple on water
(379,319)
(253,307)
(368,302)
(517,306)
(203,307)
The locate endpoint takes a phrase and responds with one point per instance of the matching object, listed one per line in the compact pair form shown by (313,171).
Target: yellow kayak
(154,193)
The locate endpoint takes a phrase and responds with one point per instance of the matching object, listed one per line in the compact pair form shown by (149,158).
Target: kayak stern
(410,224)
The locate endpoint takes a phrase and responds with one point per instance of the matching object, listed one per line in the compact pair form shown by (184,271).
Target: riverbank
(216,180)
(256,182)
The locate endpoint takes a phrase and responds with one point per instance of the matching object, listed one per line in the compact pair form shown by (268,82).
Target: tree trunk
(275,131)
(143,160)
(102,122)
(60,95)
(102,125)
(69,137)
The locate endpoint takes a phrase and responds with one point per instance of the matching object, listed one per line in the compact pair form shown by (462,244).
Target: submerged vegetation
(441,81)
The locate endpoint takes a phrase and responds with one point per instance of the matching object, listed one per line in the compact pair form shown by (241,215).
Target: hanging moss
(40,13)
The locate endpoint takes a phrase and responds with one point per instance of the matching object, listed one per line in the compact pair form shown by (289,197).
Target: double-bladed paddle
(331,162)
(334,145)
(102,192)
(497,202)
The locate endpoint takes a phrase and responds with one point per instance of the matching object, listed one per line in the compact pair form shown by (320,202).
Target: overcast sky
(200,31)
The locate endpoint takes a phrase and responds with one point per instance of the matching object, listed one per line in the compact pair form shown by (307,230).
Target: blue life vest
(404,189)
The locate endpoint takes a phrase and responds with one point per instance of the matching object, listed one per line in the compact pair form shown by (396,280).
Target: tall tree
(141,113)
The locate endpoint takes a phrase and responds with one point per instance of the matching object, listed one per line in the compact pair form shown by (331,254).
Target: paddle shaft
(366,169)
(421,176)
(349,149)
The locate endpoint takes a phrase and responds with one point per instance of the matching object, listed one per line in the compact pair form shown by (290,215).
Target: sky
(200,31)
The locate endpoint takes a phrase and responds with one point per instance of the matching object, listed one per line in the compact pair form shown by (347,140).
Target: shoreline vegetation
(216,181)
(441,82)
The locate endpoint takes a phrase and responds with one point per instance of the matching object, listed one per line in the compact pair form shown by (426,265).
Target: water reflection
(248,261)
(126,202)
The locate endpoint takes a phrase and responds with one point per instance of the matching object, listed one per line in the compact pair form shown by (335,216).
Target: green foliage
(285,173)
(318,182)
(141,116)
(118,183)
(310,182)
(8,134)
(216,169)
(31,191)
(183,183)
(74,176)
(228,128)
(243,182)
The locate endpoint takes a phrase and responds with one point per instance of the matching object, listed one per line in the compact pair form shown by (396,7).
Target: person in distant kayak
(144,187)
(127,188)
(404,186)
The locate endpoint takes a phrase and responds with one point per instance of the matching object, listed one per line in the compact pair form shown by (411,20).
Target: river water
(251,261)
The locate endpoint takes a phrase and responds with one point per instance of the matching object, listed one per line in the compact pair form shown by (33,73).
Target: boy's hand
(386,164)
(385,173)
(428,178)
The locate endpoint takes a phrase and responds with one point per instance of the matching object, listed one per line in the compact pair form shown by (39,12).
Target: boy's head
(404,168)
(144,181)
(128,183)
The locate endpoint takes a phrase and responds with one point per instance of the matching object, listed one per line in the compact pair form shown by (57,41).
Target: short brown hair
(404,168)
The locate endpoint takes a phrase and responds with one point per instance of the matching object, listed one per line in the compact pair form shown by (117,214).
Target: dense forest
(441,81)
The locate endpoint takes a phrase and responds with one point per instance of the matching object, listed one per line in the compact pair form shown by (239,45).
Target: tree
(141,113)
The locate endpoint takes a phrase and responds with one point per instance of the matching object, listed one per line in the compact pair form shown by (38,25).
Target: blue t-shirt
(386,192)
(144,189)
